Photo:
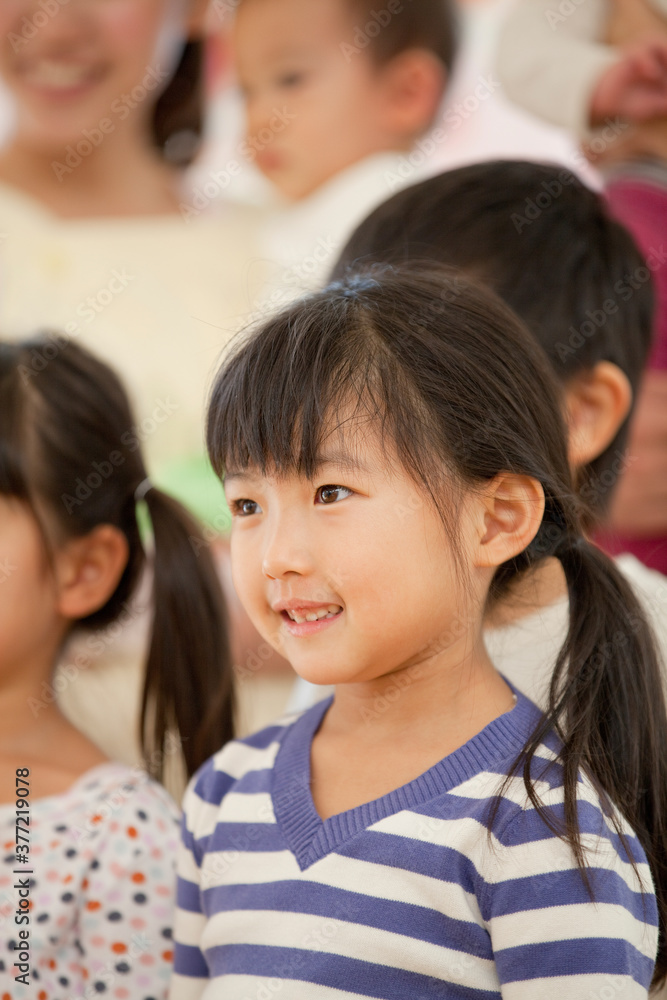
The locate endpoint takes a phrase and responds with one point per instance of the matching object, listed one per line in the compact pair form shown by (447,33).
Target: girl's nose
(286,551)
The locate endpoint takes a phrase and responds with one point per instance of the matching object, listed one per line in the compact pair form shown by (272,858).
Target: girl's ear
(598,401)
(511,511)
(88,570)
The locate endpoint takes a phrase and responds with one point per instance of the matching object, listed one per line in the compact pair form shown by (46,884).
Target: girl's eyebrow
(340,460)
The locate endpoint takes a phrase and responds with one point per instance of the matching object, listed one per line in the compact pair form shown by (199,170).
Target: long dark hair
(66,448)
(464,392)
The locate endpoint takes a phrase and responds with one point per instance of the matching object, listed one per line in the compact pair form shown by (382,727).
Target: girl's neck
(122,176)
(382,734)
(35,734)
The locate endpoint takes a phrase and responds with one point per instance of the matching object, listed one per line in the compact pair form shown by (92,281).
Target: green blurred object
(195,484)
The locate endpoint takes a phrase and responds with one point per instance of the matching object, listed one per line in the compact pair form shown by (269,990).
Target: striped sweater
(418,894)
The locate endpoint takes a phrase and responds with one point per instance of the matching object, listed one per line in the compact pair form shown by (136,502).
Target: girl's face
(28,598)
(78,68)
(360,549)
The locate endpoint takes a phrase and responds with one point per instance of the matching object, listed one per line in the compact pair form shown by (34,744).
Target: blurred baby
(335,92)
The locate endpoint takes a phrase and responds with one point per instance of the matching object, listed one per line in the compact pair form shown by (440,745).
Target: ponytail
(188,681)
(607,705)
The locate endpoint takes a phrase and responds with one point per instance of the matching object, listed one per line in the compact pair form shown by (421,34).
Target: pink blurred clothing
(637,195)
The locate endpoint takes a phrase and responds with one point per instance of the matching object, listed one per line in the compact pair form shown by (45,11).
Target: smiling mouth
(54,75)
(313,614)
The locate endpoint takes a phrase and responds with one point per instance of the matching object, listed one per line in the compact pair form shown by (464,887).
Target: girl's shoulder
(108,799)
(242,764)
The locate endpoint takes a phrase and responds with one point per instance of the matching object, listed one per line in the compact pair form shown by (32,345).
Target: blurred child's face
(85,64)
(311,111)
(28,613)
(361,549)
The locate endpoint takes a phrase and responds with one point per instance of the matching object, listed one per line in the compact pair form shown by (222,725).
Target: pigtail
(607,705)
(188,683)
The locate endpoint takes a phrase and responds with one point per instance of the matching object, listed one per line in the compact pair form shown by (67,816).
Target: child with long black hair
(394,458)
(96,839)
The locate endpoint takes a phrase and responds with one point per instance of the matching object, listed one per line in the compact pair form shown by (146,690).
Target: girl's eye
(330,494)
(244,508)
(291,79)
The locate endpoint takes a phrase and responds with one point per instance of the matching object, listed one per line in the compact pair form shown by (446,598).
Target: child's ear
(414,83)
(88,570)
(597,401)
(510,514)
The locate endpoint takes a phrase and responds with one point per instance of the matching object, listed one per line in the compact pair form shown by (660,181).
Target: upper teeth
(325,612)
(57,74)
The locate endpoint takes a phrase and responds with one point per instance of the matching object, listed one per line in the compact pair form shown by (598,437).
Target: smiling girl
(394,457)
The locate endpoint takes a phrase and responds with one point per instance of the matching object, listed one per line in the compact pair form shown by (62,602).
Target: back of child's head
(330,82)
(546,244)
(68,452)
(459,393)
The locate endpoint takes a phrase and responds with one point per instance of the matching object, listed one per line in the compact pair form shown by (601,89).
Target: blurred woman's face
(77,69)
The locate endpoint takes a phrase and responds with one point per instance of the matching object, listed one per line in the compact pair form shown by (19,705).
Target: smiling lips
(57,76)
(300,615)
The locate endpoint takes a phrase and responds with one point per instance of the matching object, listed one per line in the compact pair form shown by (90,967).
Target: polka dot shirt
(101,893)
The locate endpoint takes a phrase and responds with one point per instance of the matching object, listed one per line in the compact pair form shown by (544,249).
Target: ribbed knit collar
(311,838)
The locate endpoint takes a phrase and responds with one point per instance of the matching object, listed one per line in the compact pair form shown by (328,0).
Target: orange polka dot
(118,947)
(131,831)
(52,963)
(167,955)
(68,878)
(84,884)
(138,877)
(96,819)
(6,996)
(42,995)
(93,904)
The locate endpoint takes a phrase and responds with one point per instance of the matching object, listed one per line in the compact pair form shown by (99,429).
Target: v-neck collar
(311,838)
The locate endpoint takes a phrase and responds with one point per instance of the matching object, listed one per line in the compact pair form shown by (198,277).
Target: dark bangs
(321,364)
(433,361)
